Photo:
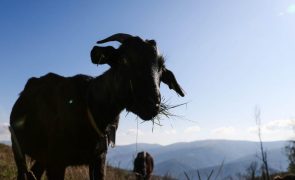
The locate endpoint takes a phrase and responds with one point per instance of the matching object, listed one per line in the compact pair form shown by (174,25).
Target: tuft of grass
(165,111)
(165,108)
(7,167)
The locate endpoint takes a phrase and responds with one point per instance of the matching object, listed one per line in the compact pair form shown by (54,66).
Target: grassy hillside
(8,169)
(7,166)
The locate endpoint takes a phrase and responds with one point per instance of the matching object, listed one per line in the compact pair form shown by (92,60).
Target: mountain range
(224,158)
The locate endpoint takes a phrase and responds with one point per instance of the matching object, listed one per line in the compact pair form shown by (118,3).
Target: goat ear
(169,79)
(104,55)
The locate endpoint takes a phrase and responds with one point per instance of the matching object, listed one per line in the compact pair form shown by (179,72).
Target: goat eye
(124,61)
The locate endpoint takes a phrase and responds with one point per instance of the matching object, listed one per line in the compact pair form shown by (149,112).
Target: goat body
(62,121)
(143,166)
(52,123)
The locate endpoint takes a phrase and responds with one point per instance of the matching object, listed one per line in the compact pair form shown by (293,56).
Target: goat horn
(120,37)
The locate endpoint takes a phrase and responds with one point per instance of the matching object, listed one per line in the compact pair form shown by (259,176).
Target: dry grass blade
(165,108)
(199,175)
(186,175)
(164,112)
(210,174)
(219,169)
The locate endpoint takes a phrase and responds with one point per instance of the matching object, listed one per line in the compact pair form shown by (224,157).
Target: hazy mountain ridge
(203,156)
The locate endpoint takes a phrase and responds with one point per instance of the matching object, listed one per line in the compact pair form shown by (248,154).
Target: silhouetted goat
(63,121)
(143,166)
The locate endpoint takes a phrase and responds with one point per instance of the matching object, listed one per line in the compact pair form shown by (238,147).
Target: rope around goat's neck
(93,124)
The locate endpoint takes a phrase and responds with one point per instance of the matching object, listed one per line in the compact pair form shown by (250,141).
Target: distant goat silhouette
(143,166)
(285,177)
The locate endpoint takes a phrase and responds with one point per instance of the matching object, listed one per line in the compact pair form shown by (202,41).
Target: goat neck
(107,97)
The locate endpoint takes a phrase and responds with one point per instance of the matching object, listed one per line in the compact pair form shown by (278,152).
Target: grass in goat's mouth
(164,112)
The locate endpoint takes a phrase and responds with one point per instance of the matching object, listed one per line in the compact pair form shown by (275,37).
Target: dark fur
(50,117)
(143,166)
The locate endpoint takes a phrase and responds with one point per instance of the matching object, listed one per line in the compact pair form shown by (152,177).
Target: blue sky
(229,56)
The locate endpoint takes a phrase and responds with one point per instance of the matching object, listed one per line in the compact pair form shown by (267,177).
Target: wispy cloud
(192,129)
(4,132)
(281,14)
(275,130)
(289,10)
(276,125)
(224,130)
(133,132)
(170,132)
(280,124)
(253,129)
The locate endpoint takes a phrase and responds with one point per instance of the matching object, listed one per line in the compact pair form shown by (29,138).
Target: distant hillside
(204,156)
(6,142)
(239,166)
(8,169)
(123,156)
(175,159)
